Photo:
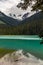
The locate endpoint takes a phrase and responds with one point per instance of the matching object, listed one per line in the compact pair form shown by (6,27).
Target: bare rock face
(25,15)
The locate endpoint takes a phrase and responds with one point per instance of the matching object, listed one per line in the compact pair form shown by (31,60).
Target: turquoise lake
(29,44)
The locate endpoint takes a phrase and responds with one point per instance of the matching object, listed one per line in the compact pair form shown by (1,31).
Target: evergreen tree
(36,6)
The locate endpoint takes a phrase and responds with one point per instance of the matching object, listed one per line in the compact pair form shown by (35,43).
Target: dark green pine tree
(38,4)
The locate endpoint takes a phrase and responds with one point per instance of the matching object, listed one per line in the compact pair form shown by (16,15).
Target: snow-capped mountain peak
(9,7)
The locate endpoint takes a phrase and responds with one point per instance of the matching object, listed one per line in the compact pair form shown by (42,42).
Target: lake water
(29,44)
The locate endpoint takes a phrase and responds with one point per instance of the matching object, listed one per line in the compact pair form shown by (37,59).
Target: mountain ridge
(14,22)
(8,20)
